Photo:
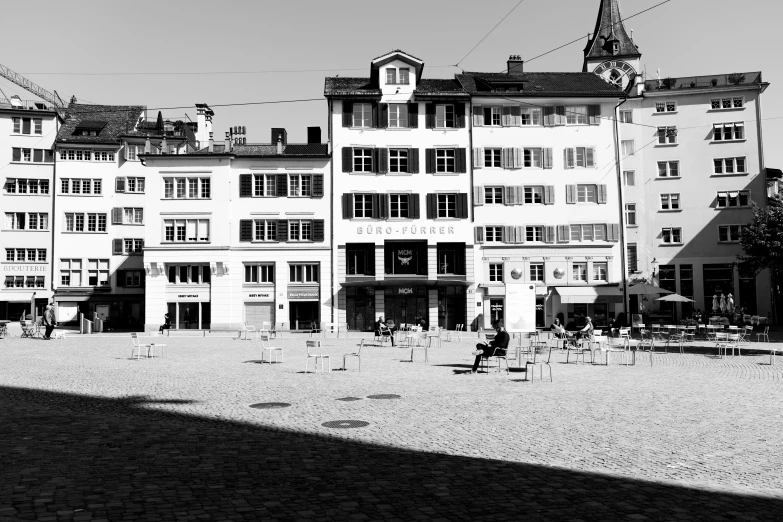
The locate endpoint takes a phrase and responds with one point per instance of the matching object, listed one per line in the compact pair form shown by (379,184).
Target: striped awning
(590,294)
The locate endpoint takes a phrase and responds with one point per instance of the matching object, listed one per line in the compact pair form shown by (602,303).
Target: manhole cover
(349,399)
(345,424)
(384,396)
(270,405)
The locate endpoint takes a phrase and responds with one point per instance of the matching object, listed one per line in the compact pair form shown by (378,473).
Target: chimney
(211,143)
(164,147)
(279,132)
(147,145)
(227,148)
(204,123)
(279,144)
(515,63)
(313,135)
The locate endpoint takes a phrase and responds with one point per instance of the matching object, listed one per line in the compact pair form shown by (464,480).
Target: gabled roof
(349,86)
(111,121)
(610,27)
(538,84)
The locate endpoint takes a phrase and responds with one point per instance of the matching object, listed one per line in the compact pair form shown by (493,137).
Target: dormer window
(392,76)
(89,128)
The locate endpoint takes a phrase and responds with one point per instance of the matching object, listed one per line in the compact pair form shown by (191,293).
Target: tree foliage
(762,238)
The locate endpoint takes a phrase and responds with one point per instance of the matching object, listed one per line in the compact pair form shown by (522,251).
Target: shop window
(189,274)
(304,273)
(360,259)
(451,258)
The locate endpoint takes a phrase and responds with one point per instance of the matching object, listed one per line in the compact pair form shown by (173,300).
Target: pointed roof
(609,27)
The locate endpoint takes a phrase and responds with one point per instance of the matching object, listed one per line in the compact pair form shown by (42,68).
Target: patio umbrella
(730,304)
(722,303)
(715,302)
(675,298)
(32,307)
(647,289)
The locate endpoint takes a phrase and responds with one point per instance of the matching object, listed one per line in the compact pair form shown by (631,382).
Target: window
(17,125)
(86,155)
(729,166)
(737,198)
(398,160)
(362,206)
(493,234)
(588,232)
(444,117)
(493,195)
(496,272)
(391,75)
(669,106)
(27,186)
(264,185)
(362,115)
(531,116)
(532,158)
(668,169)
(631,254)
(186,188)
(74,222)
(129,278)
(445,160)
(667,135)
(579,272)
(586,194)
(362,160)
(32,255)
(399,206)
(728,131)
(576,115)
(727,103)
(98,272)
(303,273)
(398,115)
(360,259)
(670,202)
(81,186)
(186,230)
(300,230)
(629,178)
(671,235)
(451,258)
(300,185)
(133,216)
(628,147)
(536,272)
(71,272)
(630,214)
(132,246)
(26,221)
(265,230)
(447,205)
(535,233)
(259,273)
(31,155)
(626,116)
(579,157)
(534,195)
(599,271)
(729,233)
(492,116)
(404,76)
(492,157)
(189,274)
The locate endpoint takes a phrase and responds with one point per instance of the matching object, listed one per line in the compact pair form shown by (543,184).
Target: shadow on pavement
(65,456)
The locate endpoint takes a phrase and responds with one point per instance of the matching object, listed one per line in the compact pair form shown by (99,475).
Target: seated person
(166,324)
(559,331)
(382,330)
(497,346)
(587,331)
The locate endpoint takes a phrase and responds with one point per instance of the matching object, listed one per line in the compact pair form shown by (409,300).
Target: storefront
(360,308)
(117,311)
(578,302)
(259,307)
(407,304)
(21,281)
(304,307)
(189,308)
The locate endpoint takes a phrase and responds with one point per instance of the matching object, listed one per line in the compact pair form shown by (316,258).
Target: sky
(86,48)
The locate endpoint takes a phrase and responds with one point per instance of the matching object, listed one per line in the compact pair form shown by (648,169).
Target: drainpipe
(332,246)
(623,267)
(52,217)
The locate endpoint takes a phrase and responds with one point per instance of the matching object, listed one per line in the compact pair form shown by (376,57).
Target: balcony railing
(703,82)
(28,105)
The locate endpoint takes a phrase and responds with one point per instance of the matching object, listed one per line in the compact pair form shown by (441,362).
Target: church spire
(610,39)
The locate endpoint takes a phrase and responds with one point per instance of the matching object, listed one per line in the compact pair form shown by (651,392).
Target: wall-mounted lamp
(654,264)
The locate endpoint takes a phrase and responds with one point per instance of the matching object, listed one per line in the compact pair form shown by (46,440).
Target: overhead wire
(489,33)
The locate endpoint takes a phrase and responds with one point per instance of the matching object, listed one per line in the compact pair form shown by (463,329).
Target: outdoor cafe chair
(357,354)
(315,351)
(721,340)
(621,346)
(498,357)
(433,334)
(690,333)
(28,329)
(139,348)
(156,346)
(383,334)
(266,347)
(540,360)
(772,352)
(745,334)
(419,340)
(763,335)
(579,347)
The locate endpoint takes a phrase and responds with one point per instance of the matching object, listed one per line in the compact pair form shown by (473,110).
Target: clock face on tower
(616,72)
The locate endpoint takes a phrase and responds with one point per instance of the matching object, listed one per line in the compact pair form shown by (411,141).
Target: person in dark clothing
(166,325)
(381,330)
(497,346)
(48,321)
(558,331)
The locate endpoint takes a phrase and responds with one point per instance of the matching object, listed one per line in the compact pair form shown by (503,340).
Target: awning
(494,290)
(24,297)
(384,283)
(590,294)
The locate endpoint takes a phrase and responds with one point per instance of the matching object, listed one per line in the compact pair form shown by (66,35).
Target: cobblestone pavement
(88,434)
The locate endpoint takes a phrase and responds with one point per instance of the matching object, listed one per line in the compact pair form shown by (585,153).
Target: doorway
(407,305)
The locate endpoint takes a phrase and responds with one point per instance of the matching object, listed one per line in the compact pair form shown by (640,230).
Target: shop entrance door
(406,305)
(495,310)
(540,321)
(304,315)
(451,307)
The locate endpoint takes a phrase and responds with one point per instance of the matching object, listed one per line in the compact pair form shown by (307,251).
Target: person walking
(48,321)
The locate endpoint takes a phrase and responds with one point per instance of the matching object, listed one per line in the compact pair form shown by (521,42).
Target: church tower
(610,52)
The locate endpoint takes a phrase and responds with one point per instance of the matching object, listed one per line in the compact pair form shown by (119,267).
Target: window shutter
(119,184)
(116,216)
(376,206)
(509,235)
(562,234)
(430,161)
(478,234)
(375,115)
(245,185)
(282,185)
(478,157)
(413,115)
(503,235)
(347,159)
(282,230)
(505,117)
(462,160)
(318,185)
(517,156)
(413,161)
(347,113)
(549,234)
(318,230)
(547,159)
(125,150)
(519,195)
(519,234)
(549,195)
(383,115)
(613,232)
(568,157)
(48,156)
(560,115)
(478,196)
(503,158)
(245,230)
(516,116)
(601,193)
(432,206)
(429,115)
(37,155)
(413,202)
(17,154)
(25,125)
(462,206)
(478,116)
(570,194)
(594,112)
(382,160)
(509,196)
(589,157)
(459,108)
(117,245)
(121,278)
(383,206)
(347,206)
(549,116)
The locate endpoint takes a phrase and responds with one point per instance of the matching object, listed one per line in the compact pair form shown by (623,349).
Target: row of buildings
(427,196)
